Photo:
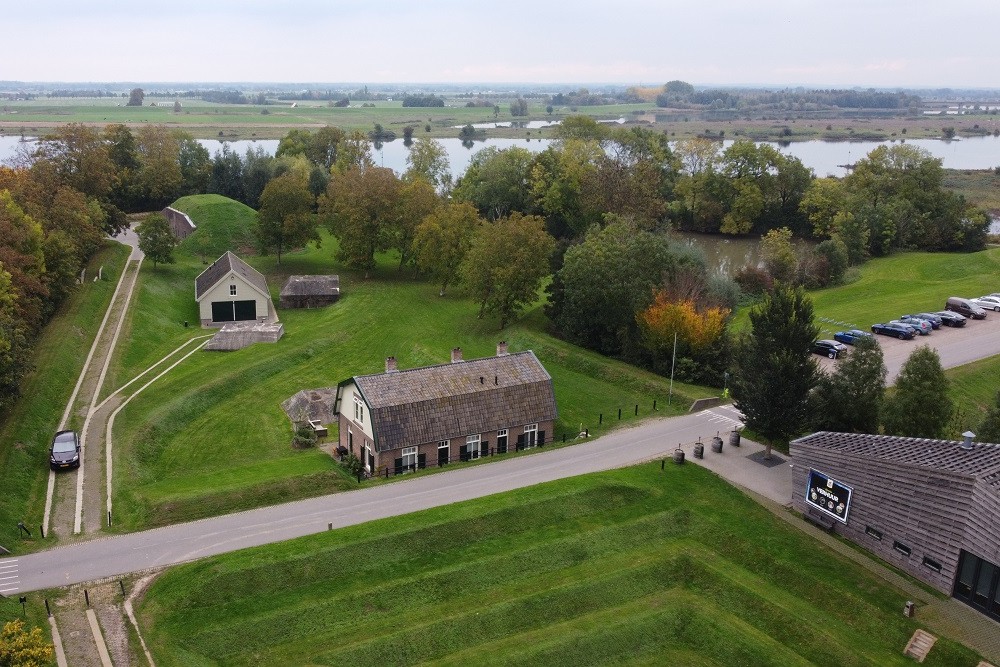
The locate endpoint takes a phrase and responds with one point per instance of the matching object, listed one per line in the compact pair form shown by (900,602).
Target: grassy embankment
(26,431)
(210,437)
(633,565)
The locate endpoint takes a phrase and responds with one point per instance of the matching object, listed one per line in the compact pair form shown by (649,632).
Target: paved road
(978,339)
(113,556)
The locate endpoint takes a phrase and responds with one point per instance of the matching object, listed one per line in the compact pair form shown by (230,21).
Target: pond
(724,254)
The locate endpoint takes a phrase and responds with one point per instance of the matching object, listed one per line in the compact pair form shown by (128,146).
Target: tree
(428,159)
(159,150)
(362,208)
(177,106)
(15,349)
(23,648)
(496,182)
(778,254)
(850,399)
(822,201)
(920,406)
(196,166)
(774,370)
(135,97)
(505,264)
(443,238)
(156,239)
(519,107)
(989,428)
(285,217)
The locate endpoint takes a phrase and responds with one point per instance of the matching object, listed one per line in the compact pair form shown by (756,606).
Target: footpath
(770,484)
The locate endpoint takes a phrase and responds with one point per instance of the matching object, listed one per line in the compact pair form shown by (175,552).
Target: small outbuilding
(310,291)
(230,290)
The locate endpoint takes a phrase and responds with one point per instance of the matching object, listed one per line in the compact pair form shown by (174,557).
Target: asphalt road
(113,556)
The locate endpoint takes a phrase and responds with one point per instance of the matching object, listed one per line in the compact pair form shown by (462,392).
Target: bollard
(699,450)
(663,464)
(564,437)
(654,405)
(636,409)
(86,596)
(109,518)
(329,526)
(41,530)
(185,324)
(678,455)
(619,414)
(908,609)
(586,433)
(47,610)
(121,585)
(600,418)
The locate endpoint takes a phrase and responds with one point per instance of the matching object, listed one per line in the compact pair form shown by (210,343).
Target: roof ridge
(447,364)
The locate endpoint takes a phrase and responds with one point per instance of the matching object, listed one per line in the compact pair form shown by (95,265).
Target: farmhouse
(930,507)
(309,291)
(230,290)
(463,410)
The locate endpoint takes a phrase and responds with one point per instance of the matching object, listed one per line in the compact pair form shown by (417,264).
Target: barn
(230,290)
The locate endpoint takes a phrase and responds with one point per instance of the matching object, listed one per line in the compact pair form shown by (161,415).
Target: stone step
(919,645)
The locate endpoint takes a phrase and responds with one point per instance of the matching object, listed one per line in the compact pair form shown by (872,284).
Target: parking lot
(978,339)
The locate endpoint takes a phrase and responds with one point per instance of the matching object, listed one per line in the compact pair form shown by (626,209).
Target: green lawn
(26,432)
(635,565)
(210,437)
(973,388)
(909,282)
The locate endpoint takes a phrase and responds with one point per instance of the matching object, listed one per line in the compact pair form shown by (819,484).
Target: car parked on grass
(900,331)
(935,320)
(65,450)
(850,336)
(921,327)
(965,307)
(988,302)
(925,326)
(829,348)
(951,319)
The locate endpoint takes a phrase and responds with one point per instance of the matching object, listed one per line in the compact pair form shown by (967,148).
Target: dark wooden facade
(919,504)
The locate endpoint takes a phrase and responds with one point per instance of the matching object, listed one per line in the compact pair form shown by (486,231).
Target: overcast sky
(778,42)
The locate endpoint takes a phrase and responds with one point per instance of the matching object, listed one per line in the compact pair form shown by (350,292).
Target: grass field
(210,437)
(973,388)
(26,432)
(634,565)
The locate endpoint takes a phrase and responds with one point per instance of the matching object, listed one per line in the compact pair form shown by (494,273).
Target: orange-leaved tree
(696,330)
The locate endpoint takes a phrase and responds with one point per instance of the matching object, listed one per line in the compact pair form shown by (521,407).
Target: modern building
(929,507)
(230,290)
(463,410)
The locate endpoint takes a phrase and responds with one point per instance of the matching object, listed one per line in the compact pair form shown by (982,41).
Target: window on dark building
(871,532)
(932,564)
(902,548)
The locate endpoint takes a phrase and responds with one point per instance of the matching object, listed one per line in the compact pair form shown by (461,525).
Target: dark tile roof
(221,267)
(445,401)
(982,461)
(311,286)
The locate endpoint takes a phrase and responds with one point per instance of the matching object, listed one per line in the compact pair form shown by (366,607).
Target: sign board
(828,495)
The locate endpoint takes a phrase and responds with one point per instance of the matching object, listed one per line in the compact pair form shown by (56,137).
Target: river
(825,158)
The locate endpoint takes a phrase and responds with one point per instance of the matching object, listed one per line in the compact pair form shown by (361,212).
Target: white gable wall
(245,291)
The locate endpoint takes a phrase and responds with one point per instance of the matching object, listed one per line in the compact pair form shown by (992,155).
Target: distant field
(637,566)
(211,438)
(979,187)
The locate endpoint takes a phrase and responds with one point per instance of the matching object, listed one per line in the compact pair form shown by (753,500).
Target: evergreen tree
(920,406)
(850,399)
(774,370)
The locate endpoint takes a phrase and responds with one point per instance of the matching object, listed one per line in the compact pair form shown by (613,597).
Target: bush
(753,280)
(304,438)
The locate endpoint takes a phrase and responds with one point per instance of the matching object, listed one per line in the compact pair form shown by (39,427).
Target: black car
(829,348)
(951,319)
(65,450)
(900,331)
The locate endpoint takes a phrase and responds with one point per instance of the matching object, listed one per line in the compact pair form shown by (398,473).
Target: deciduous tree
(505,264)
(23,648)
(156,239)
(443,239)
(428,159)
(773,369)
(778,254)
(135,97)
(285,218)
(362,208)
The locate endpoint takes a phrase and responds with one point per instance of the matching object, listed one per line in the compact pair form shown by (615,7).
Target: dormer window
(232,290)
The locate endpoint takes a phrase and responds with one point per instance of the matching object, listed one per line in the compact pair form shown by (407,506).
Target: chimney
(456,354)
(967,443)
(502,348)
(390,364)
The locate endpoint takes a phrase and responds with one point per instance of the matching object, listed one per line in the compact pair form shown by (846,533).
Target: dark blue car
(900,331)
(851,336)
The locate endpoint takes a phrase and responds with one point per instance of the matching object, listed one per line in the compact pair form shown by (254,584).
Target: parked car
(951,319)
(829,348)
(851,336)
(965,307)
(935,320)
(988,302)
(65,450)
(925,326)
(921,327)
(900,331)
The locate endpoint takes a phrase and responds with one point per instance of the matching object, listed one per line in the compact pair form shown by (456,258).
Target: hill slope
(223,224)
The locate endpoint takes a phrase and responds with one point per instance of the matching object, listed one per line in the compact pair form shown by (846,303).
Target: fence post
(636,409)
(619,414)
(600,418)
(654,405)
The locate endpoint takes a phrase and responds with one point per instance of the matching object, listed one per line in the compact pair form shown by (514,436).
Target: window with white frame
(444,451)
(472,444)
(409,458)
(502,440)
(232,290)
(359,410)
(530,435)
(367,452)
(350,441)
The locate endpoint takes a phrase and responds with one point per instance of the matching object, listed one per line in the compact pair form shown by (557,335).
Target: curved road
(113,556)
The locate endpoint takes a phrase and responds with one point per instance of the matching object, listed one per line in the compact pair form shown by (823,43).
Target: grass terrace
(635,565)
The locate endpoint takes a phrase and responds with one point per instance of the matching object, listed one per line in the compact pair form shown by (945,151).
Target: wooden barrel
(678,456)
(717,444)
(734,439)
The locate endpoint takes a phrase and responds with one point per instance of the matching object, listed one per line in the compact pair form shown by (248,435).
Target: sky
(878,43)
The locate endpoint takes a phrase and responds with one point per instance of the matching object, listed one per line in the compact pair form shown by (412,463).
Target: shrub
(304,437)
(753,280)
